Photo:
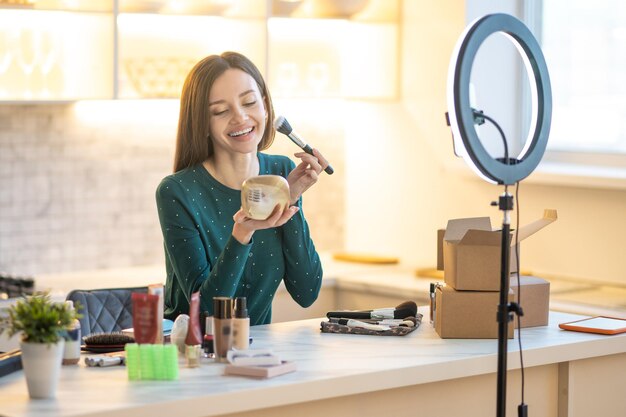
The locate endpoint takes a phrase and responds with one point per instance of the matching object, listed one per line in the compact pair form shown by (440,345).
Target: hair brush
(106,342)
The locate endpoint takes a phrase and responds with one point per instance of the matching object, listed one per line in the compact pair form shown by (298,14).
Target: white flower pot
(42,366)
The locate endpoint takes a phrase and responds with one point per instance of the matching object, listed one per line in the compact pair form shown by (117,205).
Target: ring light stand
(505,171)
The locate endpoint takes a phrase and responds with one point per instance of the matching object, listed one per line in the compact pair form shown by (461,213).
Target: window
(585,46)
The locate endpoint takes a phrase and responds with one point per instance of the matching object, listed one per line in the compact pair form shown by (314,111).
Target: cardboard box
(440,234)
(535,300)
(468,314)
(472,251)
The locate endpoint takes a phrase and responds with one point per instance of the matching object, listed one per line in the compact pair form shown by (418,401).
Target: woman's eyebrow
(245,93)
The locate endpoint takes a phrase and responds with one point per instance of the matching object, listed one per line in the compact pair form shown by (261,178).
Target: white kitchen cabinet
(61,50)
(157,51)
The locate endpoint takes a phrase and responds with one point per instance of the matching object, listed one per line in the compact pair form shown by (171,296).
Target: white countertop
(329,365)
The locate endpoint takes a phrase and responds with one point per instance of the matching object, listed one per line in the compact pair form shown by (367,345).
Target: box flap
(481,237)
(549,216)
(457,227)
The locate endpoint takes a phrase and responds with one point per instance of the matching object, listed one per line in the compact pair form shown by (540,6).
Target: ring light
(461,115)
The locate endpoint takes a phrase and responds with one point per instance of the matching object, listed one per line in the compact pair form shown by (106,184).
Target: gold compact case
(260,194)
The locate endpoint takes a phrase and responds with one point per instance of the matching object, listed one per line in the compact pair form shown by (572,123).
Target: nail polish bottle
(207,341)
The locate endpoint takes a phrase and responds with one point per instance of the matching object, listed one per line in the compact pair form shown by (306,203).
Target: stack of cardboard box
(469,254)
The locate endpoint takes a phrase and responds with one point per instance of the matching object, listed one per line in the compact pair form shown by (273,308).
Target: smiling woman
(208,238)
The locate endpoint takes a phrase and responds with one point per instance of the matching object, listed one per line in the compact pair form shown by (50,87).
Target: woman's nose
(239,114)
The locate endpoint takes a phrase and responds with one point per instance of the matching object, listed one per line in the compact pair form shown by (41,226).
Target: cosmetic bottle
(71,352)
(241,325)
(157,289)
(222,327)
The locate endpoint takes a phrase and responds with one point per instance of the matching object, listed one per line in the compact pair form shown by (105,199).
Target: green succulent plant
(40,319)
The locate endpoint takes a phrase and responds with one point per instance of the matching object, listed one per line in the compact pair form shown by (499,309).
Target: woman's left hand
(306,173)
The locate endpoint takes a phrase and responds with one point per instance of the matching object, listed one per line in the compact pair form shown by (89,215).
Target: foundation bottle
(222,327)
(241,325)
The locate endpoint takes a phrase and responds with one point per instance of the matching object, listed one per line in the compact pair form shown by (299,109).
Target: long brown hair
(193,144)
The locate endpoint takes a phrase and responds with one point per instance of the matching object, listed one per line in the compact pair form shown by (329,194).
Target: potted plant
(43,326)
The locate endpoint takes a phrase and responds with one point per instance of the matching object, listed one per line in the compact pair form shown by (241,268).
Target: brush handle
(363,325)
(329,170)
(378,314)
(349,314)
(283,127)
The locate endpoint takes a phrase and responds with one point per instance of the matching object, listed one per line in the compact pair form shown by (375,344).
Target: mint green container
(159,369)
(146,361)
(151,362)
(132,361)
(170,362)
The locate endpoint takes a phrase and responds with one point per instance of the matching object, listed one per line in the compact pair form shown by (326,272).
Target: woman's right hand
(245,227)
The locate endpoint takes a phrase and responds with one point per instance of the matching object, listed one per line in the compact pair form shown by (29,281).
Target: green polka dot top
(196,215)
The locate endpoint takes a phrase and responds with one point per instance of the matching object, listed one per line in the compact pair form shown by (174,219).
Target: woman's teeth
(240,132)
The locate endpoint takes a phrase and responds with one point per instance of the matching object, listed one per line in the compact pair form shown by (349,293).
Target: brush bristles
(408,307)
(282,125)
(115,338)
(402,313)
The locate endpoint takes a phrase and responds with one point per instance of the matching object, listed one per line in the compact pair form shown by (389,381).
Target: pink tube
(194,334)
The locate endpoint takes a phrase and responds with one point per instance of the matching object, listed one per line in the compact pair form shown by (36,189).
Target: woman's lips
(241,133)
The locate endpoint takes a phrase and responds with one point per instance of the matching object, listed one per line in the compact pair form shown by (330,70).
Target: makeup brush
(282,125)
(402,310)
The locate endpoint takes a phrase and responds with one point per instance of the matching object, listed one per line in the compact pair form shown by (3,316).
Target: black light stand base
(522,410)
(505,309)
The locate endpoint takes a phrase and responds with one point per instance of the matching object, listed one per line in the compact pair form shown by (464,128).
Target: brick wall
(77,193)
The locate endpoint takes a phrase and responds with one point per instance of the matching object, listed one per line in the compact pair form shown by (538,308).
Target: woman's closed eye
(223,111)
